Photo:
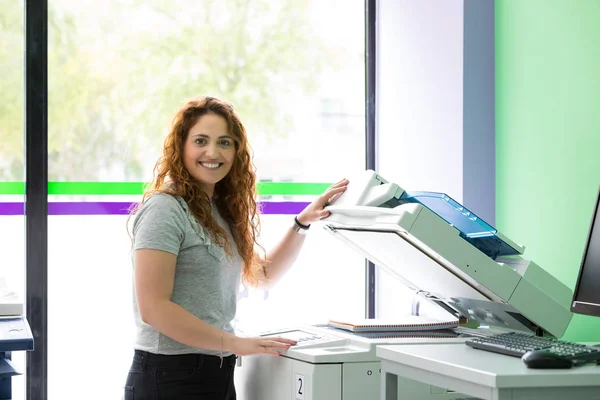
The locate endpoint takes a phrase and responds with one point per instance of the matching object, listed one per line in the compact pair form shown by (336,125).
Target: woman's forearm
(174,321)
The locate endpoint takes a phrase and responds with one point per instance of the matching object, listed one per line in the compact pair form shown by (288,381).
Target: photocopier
(15,335)
(470,271)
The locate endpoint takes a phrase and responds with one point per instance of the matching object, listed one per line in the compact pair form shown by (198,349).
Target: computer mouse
(543,359)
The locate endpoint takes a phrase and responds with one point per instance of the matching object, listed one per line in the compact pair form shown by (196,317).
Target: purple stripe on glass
(122,208)
(12,209)
(283,207)
(89,208)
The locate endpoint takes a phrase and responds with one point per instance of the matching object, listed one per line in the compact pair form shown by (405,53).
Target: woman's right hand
(248,346)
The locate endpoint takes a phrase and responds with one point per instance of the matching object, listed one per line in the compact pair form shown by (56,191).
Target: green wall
(548,133)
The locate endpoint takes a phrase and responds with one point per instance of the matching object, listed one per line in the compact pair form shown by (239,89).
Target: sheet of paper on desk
(7,368)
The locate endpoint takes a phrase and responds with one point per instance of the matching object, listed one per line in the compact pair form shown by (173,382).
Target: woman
(194,236)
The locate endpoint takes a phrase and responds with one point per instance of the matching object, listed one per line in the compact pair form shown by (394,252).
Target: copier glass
(473,272)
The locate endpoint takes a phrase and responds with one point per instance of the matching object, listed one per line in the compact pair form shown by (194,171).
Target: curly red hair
(234,195)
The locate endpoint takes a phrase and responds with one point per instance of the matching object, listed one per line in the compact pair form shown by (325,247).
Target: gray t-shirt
(206,280)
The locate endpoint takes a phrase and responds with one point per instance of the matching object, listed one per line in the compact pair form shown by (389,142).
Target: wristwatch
(300,228)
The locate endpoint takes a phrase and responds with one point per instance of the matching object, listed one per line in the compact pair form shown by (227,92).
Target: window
(12,152)
(117,72)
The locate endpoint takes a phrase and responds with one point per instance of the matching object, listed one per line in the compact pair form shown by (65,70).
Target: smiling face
(209,151)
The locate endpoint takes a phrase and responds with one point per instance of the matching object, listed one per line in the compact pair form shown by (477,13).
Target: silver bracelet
(300,228)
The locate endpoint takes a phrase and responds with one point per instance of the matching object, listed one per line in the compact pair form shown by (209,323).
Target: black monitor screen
(586,299)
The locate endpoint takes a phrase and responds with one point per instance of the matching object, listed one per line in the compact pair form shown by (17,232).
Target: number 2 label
(300,387)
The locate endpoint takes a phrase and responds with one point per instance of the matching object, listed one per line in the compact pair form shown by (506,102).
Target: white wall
(419,94)
(435,109)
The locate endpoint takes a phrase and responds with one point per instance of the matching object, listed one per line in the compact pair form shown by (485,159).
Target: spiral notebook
(403,323)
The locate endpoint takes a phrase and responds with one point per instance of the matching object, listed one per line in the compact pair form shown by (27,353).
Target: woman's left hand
(315,210)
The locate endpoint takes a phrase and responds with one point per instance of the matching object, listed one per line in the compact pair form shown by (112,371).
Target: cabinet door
(361,380)
(316,381)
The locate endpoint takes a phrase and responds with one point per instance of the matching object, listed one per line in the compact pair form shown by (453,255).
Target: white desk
(483,374)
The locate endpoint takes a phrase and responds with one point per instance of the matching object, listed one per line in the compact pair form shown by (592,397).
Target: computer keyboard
(517,344)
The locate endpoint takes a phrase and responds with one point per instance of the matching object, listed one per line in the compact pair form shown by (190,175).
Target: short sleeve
(159,224)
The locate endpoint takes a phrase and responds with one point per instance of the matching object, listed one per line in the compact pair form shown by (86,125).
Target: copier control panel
(304,339)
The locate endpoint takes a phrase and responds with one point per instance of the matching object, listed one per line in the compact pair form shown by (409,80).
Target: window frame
(36,194)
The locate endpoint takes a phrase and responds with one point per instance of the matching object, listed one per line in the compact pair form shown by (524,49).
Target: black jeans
(180,377)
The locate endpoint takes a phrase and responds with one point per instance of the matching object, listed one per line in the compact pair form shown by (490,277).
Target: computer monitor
(586,297)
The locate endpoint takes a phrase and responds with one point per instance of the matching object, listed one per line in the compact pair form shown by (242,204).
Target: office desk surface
(458,361)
